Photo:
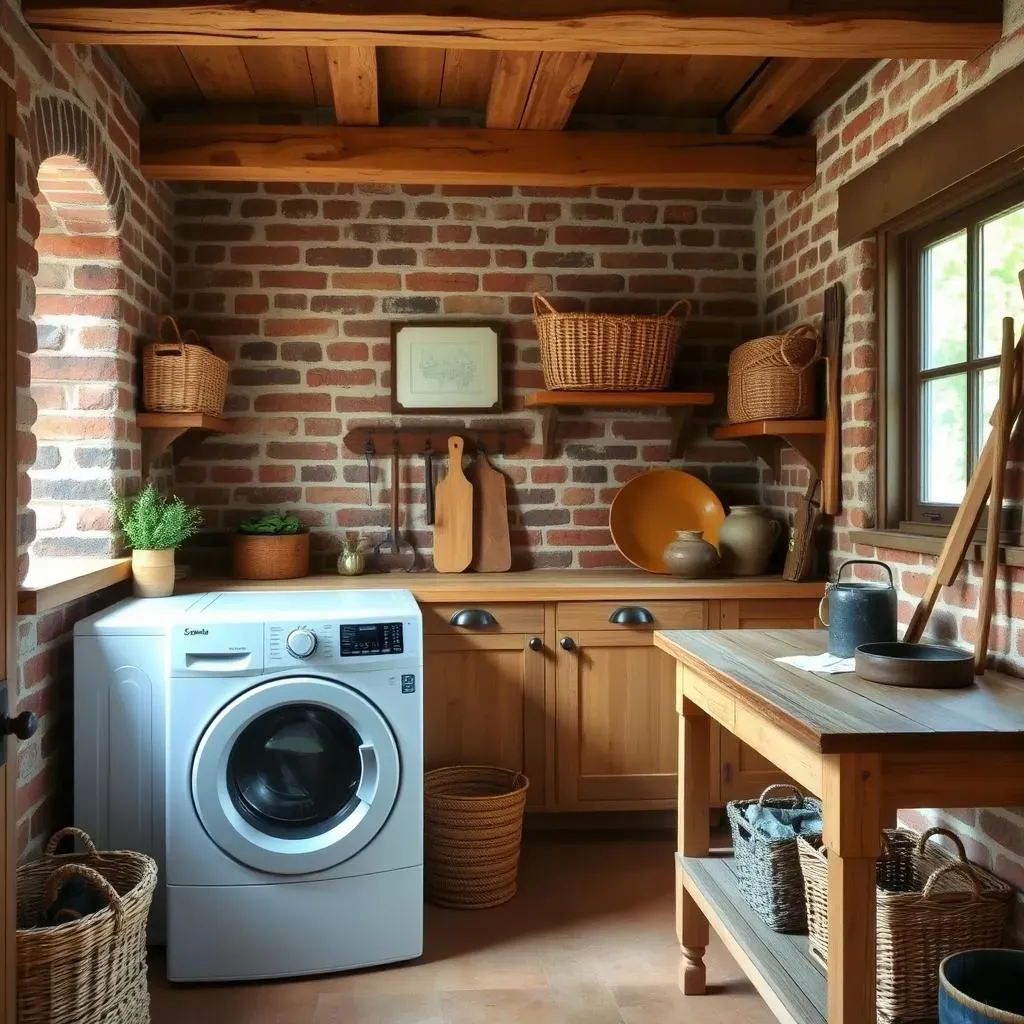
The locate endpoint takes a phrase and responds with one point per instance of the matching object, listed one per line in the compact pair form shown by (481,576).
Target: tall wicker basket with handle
(604,352)
(927,907)
(93,970)
(772,378)
(181,375)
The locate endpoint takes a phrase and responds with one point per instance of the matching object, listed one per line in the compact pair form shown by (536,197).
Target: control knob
(301,643)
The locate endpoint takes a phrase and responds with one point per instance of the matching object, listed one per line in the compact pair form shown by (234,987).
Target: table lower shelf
(781,968)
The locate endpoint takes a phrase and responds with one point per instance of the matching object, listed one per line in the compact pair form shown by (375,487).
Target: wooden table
(866,750)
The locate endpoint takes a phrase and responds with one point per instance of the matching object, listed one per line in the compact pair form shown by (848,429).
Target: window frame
(900,245)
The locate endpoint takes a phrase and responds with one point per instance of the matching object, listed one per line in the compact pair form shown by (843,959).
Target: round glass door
(295,775)
(294,770)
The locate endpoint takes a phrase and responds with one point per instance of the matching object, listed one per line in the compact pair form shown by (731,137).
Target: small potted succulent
(352,559)
(154,527)
(271,547)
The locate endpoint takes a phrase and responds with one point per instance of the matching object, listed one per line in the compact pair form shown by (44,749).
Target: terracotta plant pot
(153,573)
(283,556)
(746,540)
(690,556)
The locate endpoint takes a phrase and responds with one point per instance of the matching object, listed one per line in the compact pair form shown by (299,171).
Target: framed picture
(445,367)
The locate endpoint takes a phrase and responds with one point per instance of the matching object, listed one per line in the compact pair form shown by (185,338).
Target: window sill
(900,540)
(56,581)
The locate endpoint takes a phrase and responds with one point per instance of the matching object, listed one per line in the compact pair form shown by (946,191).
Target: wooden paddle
(453,514)
(492,548)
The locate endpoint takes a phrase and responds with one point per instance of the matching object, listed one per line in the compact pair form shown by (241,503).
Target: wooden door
(616,733)
(8,665)
(483,703)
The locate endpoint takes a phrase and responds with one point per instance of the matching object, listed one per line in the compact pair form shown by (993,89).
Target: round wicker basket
(256,556)
(473,828)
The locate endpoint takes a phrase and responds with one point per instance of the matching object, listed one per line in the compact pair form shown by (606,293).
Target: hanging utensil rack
(512,439)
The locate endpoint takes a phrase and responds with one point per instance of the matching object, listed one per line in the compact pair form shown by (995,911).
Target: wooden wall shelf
(160,431)
(680,405)
(766,440)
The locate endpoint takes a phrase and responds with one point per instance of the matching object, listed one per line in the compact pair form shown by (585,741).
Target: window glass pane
(988,385)
(1002,256)
(944,319)
(944,439)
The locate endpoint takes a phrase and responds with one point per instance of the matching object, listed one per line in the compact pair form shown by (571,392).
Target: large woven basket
(283,556)
(769,869)
(772,378)
(604,352)
(928,906)
(473,824)
(93,970)
(181,375)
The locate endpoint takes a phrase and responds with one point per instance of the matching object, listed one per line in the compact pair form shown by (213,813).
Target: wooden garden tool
(453,514)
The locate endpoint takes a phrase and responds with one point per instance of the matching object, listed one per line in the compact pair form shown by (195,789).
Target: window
(959,281)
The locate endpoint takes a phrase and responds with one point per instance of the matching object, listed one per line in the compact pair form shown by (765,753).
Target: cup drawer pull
(473,618)
(631,616)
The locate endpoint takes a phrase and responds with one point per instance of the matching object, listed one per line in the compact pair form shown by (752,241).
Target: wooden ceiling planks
(950,29)
(410,77)
(473,156)
(467,79)
(220,73)
(353,75)
(781,88)
(281,75)
(556,87)
(161,75)
(510,88)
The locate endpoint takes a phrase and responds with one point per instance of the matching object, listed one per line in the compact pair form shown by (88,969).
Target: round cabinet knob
(22,726)
(567,643)
(301,643)
(536,644)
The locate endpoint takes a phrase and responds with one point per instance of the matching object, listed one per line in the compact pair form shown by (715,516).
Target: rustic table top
(844,713)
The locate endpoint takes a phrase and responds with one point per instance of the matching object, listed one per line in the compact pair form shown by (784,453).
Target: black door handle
(473,618)
(21,726)
(567,643)
(631,616)
(535,643)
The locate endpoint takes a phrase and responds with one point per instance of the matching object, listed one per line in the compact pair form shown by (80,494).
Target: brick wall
(298,286)
(801,257)
(73,103)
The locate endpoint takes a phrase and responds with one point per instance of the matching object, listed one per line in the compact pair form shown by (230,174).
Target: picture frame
(445,367)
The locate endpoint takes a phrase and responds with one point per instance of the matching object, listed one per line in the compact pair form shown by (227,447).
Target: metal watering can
(858,613)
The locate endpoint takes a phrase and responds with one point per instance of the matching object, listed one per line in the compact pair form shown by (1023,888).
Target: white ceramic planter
(153,573)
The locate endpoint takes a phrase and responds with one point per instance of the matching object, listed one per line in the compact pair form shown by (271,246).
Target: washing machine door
(295,775)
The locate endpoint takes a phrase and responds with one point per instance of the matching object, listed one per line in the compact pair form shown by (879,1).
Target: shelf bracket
(810,447)
(548,429)
(681,418)
(155,442)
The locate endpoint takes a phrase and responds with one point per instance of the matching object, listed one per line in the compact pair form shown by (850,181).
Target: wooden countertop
(844,713)
(532,585)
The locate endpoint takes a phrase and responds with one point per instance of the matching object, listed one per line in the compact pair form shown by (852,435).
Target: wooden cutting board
(492,548)
(453,514)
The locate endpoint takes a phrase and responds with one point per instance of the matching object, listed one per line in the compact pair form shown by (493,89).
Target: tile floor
(590,938)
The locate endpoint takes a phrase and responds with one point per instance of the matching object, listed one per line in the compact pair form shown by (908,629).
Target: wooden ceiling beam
(777,92)
(472,156)
(950,29)
(353,71)
(536,90)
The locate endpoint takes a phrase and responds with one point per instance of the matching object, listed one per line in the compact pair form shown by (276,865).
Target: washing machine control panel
(301,643)
(369,638)
(330,642)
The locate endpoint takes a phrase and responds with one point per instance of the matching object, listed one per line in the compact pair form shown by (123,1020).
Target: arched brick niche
(77,410)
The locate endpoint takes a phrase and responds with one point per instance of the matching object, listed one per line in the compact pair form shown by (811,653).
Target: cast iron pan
(925,665)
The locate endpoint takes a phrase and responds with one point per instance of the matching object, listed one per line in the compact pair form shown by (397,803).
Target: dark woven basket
(769,869)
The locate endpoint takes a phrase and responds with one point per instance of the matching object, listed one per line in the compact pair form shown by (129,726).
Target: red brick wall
(801,257)
(72,102)
(298,285)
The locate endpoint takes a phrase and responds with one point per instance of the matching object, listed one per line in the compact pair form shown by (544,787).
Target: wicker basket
(772,378)
(601,352)
(181,375)
(769,869)
(928,906)
(282,556)
(93,970)
(473,824)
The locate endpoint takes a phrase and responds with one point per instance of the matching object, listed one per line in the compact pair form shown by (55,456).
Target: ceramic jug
(746,540)
(690,556)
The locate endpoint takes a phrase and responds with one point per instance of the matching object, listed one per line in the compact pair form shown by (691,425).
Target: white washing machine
(294,785)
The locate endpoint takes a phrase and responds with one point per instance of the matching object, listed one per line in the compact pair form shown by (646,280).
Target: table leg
(853,824)
(694,836)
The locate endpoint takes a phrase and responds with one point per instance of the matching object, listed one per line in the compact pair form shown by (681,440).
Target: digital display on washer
(371,638)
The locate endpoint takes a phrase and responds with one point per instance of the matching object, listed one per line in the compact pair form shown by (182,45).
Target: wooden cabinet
(484,703)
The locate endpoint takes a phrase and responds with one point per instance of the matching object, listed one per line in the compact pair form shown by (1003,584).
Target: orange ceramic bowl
(647,512)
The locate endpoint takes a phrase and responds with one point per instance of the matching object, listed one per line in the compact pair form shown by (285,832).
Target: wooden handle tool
(453,514)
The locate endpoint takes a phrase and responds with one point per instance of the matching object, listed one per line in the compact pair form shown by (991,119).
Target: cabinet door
(617,729)
(762,614)
(483,703)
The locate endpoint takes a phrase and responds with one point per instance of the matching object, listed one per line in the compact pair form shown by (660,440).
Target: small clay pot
(690,556)
(747,539)
(153,573)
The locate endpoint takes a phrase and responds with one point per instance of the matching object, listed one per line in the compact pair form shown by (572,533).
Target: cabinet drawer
(595,615)
(507,618)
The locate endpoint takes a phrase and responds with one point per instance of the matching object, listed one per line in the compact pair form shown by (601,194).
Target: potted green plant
(154,526)
(271,547)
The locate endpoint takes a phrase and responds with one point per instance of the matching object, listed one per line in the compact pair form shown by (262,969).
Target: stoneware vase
(153,573)
(351,563)
(690,556)
(747,539)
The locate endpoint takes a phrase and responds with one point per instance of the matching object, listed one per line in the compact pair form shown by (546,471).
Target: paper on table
(826,663)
